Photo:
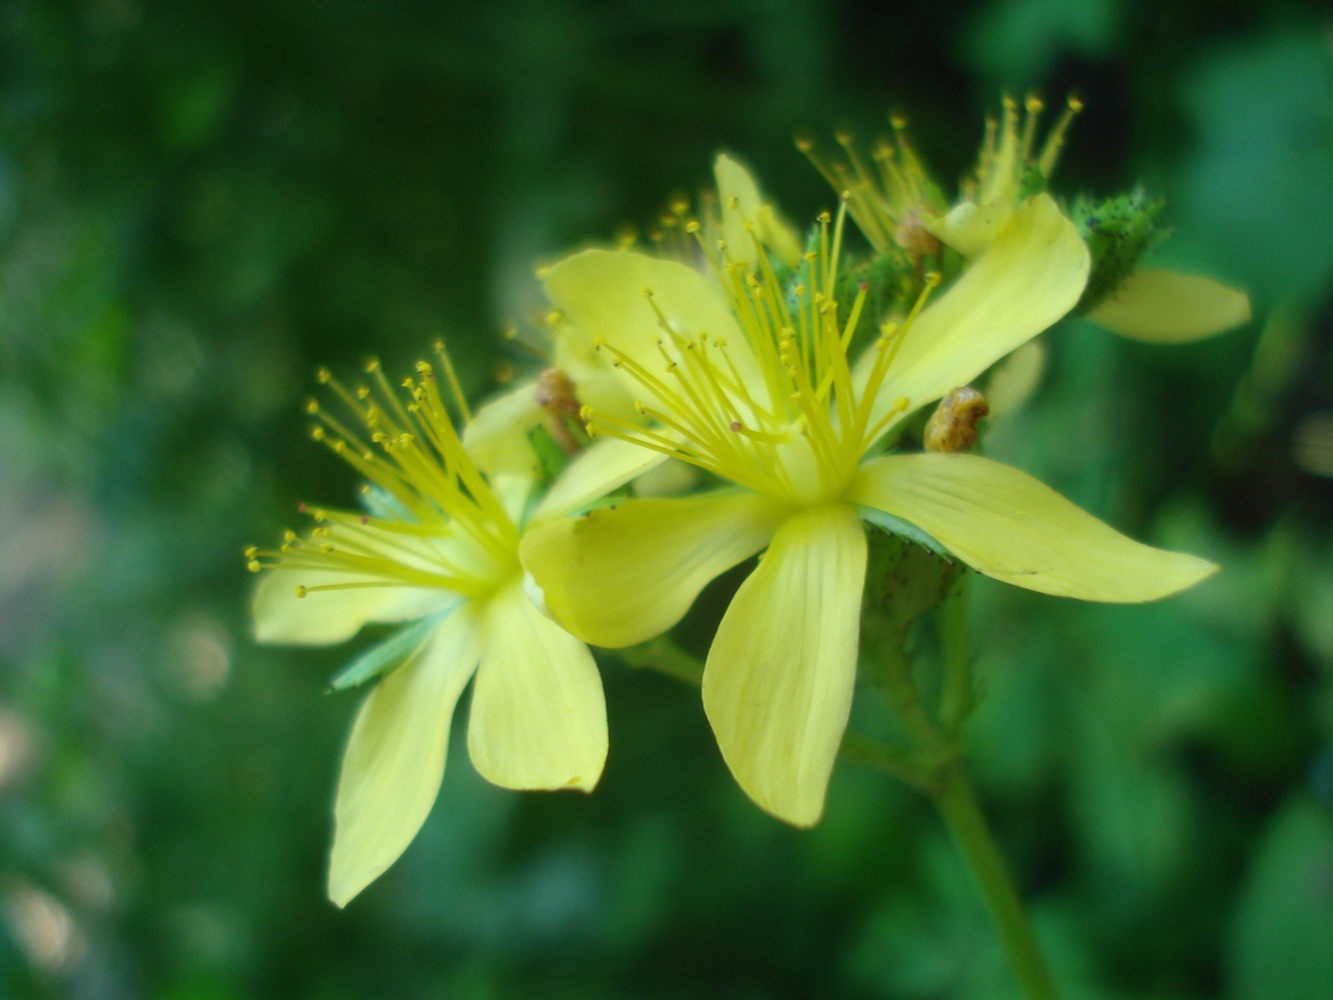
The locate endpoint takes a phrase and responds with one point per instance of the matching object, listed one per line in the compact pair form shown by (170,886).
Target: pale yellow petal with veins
(1026,279)
(538,718)
(740,202)
(621,576)
(1165,307)
(327,617)
(600,293)
(497,436)
(606,466)
(782,668)
(395,756)
(1012,527)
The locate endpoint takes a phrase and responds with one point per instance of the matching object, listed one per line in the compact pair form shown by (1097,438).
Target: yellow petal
(609,464)
(325,617)
(736,187)
(780,674)
(395,756)
(497,437)
(596,383)
(623,575)
(1163,307)
(600,293)
(1014,380)
(538,717)
(970,228)
(1030,275)
(1006,524)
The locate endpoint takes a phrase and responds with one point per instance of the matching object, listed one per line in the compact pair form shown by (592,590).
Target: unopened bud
(953,425)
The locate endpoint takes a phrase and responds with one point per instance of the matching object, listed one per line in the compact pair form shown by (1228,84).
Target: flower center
(432,519)
(781,412)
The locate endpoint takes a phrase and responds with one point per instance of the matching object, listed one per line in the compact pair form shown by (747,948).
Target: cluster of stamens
(785,416)
(886,195)
(431,502)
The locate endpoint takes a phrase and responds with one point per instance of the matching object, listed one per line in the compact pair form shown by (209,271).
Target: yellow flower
(750,381)
(439,544)
(895,203)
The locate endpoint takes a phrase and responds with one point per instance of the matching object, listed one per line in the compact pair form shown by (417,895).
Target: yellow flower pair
(737,372)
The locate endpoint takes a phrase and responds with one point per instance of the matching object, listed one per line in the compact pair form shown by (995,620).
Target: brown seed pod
(953,425)
(556,395)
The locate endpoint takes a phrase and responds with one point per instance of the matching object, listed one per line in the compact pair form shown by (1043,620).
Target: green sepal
(388,655)
(903,582)
(551,458)
(1033,182)
(383,505)
(1118,231)
(551,461)
(889,280)
(904,530)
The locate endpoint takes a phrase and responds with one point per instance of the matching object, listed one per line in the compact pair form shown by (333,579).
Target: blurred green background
(200,202)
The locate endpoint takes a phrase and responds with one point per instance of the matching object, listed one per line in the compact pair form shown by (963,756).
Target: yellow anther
(289,536)
(597,343)
(312,406)
(301,591)
(324,375)
(253,566)
(1074,103)
(691,227)
(317,433)
(1033,104)
(251,551)
(824,218)
(646,292)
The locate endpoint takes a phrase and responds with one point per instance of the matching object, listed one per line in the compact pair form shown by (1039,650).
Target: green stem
(967,825)
(664,656)
(858,749)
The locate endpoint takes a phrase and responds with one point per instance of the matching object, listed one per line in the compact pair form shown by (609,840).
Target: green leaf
(1282,927)
(387,655)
